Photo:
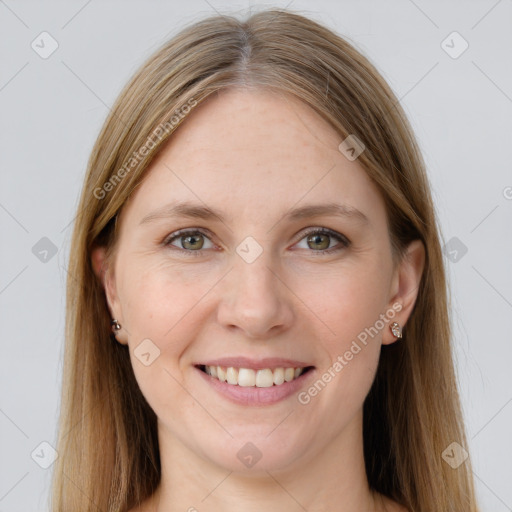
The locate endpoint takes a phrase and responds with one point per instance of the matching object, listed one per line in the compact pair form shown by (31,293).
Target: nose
(255,300)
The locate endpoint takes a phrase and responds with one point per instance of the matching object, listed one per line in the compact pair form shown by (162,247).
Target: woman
(258,312)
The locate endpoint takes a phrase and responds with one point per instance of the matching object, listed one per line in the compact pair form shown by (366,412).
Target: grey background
(51,113)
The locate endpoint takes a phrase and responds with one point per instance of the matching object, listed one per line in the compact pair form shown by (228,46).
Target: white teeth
(264,378)
(221,373)
(289,373)
(232,375)
(278,376)
(247,377)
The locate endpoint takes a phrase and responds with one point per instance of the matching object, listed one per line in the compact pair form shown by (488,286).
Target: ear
(105,273)
(405,286)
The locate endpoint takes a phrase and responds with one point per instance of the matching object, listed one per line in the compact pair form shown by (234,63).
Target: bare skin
(254,156)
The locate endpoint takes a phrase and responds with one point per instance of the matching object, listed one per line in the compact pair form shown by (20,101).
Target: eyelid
(325,231)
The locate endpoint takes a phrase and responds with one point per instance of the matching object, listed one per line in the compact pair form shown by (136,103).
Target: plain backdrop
(459,103)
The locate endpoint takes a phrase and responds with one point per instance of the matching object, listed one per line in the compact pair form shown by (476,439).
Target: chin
(254,453)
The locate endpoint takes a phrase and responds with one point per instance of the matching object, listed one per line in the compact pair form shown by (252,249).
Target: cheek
(350,305)
(161,306)
(159,303)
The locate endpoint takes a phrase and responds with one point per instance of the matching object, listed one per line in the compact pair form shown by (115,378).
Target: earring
(115,325)
(396,329)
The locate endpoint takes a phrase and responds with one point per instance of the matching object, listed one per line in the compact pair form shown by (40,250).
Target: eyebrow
(197,211)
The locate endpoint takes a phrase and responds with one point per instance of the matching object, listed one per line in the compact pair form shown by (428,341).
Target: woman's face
(256,287)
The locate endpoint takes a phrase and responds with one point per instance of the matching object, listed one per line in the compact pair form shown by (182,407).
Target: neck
(334,479)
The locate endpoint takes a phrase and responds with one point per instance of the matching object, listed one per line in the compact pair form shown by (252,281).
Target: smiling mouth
(247,377)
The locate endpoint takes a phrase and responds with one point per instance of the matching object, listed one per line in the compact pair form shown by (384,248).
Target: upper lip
(255,364)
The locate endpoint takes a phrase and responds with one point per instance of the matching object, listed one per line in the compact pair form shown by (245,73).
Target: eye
(193,241)
(189,240)
(319,237)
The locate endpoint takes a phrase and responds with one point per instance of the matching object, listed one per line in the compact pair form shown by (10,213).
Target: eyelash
(322,231)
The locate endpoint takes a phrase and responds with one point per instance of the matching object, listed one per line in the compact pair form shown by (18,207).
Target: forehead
(255,154)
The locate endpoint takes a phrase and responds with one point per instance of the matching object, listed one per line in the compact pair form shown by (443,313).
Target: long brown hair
(108,447)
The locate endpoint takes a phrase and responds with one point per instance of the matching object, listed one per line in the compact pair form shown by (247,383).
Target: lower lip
(251,395)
